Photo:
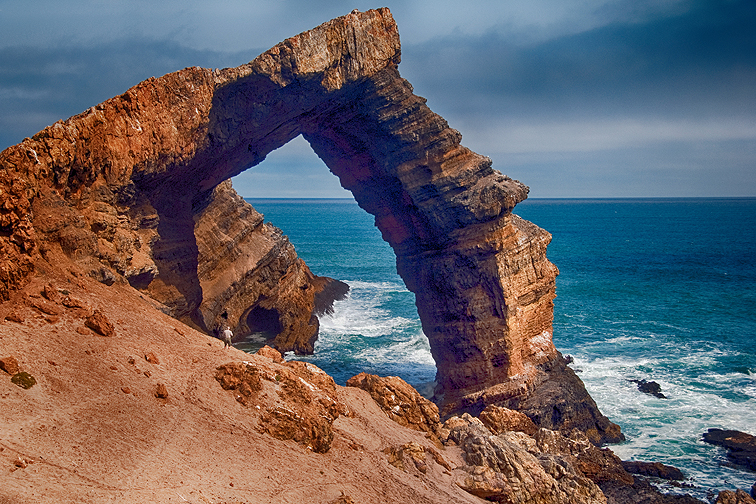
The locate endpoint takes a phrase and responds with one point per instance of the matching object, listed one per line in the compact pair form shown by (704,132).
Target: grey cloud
(701,61)
(40,86)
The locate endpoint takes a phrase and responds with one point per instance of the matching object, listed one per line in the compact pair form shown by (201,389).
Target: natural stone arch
(147,166)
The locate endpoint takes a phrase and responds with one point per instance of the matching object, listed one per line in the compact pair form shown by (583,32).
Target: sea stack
(123,191)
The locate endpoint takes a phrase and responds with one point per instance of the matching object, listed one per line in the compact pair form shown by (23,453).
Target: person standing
(227,335)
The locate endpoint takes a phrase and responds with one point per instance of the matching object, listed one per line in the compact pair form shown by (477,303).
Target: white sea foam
(361,312)
(670,430)
(412,351)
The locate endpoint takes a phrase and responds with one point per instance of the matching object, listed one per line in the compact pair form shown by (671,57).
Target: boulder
(24,380)
(9,365)
(498,420)
(270,353)
(161,391)
(100,324)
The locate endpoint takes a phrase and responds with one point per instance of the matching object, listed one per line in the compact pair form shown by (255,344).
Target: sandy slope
(92,430)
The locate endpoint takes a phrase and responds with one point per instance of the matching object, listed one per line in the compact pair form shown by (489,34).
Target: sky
(574,98)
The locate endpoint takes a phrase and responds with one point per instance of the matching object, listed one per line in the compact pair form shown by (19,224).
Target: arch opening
(264,323)
(376,328)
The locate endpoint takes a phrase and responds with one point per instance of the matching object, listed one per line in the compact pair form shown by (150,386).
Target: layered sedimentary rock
(251,278)
(128,179)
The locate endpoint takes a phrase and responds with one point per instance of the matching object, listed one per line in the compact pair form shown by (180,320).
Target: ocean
(661,290)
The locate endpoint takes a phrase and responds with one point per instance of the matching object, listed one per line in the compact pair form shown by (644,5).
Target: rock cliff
(125,187)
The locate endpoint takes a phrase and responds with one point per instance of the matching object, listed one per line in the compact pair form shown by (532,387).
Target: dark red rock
(9,365)
(51,293)
(161,391)
(15,316)
(44,306)
(100,324)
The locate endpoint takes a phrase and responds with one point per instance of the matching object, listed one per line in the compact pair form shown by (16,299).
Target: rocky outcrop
(399,400)
(499,420)
(514,468)
(741,446)
(296,400)
(737,497)
(650,387)
(122,189)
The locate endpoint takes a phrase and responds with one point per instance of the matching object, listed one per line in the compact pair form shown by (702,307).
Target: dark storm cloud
(700,62)
(40,86)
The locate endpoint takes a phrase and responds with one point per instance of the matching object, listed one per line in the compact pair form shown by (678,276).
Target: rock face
(296,400)
(126,188)
(513,467)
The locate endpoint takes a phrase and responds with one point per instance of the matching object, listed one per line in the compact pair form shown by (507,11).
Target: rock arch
(146,166)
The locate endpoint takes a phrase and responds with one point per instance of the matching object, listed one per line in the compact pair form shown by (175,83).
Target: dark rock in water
(654,469)
(741,446)
(498,420)
(753,491)
(330,291)
(650,387)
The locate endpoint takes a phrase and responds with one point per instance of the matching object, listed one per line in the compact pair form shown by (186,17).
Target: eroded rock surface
(251,277)
(125,189)
(296,400)
(399,400)
(515,468)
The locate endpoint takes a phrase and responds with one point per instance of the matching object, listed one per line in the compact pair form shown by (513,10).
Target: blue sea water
(656,289)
